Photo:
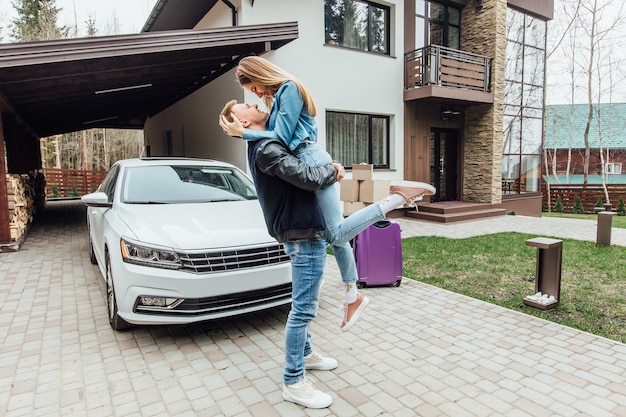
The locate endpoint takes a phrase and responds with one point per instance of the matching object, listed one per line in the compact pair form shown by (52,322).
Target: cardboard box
(371,191)
(362,172)
(349,190)
(350,208)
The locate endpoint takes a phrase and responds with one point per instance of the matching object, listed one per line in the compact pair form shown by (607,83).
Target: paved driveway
(418,350)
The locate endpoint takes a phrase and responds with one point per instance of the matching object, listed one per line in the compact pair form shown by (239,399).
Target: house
(435,91)
(448,92)
(565,139)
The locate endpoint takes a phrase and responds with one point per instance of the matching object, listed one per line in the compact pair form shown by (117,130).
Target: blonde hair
(254,69)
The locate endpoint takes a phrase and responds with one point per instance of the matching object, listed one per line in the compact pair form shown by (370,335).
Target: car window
(108,184)
(185,184)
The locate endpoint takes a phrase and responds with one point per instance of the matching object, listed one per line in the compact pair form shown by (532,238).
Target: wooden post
(5,229)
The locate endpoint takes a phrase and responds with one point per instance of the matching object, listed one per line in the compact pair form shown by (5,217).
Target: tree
(583,46)
(36,21)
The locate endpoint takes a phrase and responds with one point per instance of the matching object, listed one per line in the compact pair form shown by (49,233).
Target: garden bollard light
(603,231)
(547,273)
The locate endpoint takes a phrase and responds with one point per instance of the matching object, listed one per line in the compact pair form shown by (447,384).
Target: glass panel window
(512,93)
(510,167)
(535,33)
(613,168)
(353,138)
(441,25)
(532,96)
(357,24)
(533,65)
(513,59)
(512,135)
(530,173)
(532,128)
(523,103)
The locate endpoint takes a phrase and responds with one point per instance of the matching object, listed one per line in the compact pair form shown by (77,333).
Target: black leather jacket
(285,188)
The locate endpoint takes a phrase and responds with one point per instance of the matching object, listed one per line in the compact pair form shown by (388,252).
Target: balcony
(439,74)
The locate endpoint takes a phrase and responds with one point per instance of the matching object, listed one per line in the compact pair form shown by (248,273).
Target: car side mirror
(97,199)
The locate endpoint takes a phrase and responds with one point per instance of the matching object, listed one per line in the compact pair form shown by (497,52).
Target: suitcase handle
(382,224)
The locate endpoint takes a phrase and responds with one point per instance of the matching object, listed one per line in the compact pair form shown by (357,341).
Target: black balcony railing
(438,65)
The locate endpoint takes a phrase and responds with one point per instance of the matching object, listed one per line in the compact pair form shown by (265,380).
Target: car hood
(197,226)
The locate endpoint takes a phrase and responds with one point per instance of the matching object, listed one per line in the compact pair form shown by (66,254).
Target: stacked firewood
(26,195)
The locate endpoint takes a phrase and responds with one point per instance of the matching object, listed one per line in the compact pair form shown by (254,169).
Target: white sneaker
(316,361)
(412,191)
(304,393)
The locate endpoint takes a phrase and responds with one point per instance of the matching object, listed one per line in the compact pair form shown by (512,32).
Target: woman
(292,120)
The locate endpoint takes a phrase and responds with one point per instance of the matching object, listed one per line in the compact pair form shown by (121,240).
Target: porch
(454,211)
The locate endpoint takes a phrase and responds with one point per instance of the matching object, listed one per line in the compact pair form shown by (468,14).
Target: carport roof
(118,81)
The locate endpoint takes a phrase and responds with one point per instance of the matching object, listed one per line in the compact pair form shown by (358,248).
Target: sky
(111,16)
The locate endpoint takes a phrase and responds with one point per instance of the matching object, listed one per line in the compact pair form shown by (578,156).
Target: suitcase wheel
(397,283)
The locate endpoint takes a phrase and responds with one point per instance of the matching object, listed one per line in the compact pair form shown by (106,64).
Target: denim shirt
(289,120)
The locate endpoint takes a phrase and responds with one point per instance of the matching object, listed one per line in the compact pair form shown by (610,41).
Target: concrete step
(454,214)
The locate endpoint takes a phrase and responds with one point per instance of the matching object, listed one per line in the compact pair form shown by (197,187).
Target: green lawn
(500,269)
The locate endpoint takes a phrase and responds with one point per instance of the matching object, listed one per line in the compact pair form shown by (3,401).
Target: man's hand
(234,128)
(341,171)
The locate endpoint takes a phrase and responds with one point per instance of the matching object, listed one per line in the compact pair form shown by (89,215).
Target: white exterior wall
(339,79)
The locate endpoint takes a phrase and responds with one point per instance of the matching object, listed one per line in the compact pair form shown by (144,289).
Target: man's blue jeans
(340,230)
(308,258)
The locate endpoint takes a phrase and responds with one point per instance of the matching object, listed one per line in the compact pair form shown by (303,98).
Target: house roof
(177,14)
(568,121)
(118,81)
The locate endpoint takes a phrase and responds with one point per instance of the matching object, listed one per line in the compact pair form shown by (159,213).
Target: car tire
(92,253)
(116,322)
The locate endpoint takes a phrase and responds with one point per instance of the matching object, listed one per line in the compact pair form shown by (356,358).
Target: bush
(621,210)
(599,202)
(578,205)
(74,192)
(54,191)
(558,206)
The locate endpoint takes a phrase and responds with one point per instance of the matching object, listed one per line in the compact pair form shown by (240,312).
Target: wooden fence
(588,194)
(71,182)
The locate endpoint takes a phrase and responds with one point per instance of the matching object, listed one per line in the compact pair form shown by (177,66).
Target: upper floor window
(613,168)
(357,24)
(437,24)
(353,138)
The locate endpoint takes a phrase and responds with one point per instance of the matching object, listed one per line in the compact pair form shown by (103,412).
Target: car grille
(210,305)
(224,260)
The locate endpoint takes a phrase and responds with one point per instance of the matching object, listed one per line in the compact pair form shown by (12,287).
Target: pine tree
(558,206)
(621,209)
(36,21)
(578,205)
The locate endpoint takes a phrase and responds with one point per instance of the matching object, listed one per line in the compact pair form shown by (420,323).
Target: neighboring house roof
(568,121)
(118,81)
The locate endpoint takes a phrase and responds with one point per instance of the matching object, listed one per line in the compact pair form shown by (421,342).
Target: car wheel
(92,254)
(115,320)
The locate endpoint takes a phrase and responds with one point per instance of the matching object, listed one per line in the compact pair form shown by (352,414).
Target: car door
(96,215)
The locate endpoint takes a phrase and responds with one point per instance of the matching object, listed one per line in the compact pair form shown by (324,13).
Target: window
(357,24)
(437,24)
(613,168)
(523,103)
(353,138)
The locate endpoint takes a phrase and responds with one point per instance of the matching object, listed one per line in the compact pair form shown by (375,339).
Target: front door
(443,163)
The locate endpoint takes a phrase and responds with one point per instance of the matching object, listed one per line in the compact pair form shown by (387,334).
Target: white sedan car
(183,240)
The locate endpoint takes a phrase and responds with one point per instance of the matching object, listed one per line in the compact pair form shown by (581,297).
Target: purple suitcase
(378,254)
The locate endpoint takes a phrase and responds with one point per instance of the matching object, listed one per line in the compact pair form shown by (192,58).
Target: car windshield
(166,184)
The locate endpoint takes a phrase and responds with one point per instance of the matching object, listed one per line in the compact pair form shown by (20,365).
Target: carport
(61,86)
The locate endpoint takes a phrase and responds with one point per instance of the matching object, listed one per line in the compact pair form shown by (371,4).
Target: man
(284,187)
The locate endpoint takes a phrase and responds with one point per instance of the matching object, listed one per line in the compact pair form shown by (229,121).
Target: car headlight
(157,257)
